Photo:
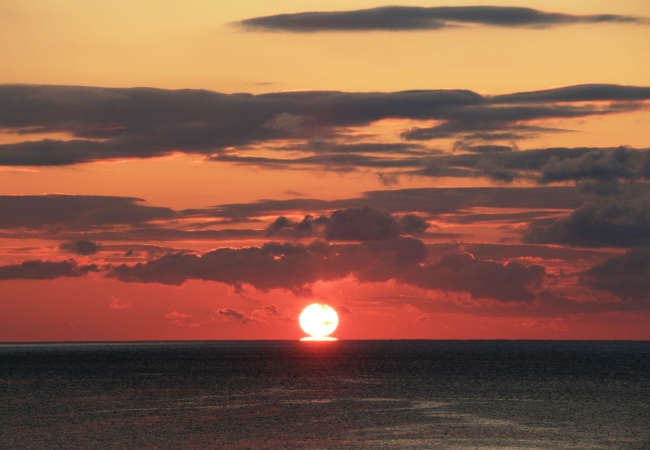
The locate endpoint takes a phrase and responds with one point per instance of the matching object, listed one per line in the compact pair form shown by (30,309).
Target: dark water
(346,394)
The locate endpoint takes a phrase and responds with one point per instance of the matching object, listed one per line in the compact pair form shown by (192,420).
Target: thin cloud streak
(45,270)
(412,18)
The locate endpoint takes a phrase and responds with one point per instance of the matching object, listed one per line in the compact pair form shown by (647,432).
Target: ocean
(313,395)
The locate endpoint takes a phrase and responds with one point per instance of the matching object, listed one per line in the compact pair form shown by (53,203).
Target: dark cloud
(405,18)
(268,207)
(627,276)
(80,247)
(234,314)
(81,219)
(541,165)
(462,272)
(334,162)
(110,123)
(427,201)
(115,123)
(361,224)
(498,162)
(307,227)
(516,119)
(482,148)
(615,221)
(376,215)
(75,211)
(50,152)
(578,93)
(44,270)
(279,266)
(597,164)
(412,224)
(168,234)
(363,147)
(295,267)
(282,223)
(353,224)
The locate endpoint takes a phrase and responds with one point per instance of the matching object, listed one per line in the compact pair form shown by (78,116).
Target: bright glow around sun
(319,321)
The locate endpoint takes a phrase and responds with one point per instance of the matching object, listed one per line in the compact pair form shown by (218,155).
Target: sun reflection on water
(319,338)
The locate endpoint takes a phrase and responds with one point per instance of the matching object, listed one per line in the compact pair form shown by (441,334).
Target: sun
(319,321)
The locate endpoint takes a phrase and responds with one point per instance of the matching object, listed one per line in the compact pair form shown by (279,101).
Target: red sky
(470,172)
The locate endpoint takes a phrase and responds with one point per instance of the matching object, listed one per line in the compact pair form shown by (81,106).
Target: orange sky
(171,172)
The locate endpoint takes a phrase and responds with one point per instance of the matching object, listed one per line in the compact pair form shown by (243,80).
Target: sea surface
(345,394)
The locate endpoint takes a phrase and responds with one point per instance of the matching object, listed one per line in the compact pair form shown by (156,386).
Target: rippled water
(345,394)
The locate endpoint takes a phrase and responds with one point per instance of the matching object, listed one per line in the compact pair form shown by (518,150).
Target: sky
(434,170)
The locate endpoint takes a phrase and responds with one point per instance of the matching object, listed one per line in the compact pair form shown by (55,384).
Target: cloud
(598,164)
(114,123)
(627,275)
(81,221)
(119,123)
(80,247)
(334,162)
(145,234)
(353,224)
(462,272)
(75,211)
(307,227)
(518,120)
(234,314)
(365,223)
(44,270)
(408,18)
(546,165)
(619,220)
(498,162)
(482,149)
(272,266)
(296,266)
(427,201)
(363,147)
(579,93)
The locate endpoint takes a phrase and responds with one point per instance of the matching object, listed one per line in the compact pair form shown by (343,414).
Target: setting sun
(319,321)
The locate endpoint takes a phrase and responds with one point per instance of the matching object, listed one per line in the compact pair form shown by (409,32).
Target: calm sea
(345,394)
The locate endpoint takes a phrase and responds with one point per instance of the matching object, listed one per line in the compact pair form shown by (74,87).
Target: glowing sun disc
(318,321)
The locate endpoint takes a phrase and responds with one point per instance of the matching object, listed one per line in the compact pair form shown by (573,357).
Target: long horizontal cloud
(296,266)
(405,18)
(431,201)
(544,165)
(117,123)
(498,162)
(75,211)
(83,220)
(376,215)
(44,270)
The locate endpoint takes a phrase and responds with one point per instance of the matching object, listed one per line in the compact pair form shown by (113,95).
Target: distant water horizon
(299,339)
(342,394)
